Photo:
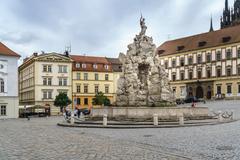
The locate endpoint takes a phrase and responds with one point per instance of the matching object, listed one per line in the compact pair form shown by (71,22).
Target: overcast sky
(100,27)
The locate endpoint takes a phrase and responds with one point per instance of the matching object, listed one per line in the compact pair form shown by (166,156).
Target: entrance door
(199,92)
(209,93)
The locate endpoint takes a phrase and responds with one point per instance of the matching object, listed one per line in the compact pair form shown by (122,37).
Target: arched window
(1,85)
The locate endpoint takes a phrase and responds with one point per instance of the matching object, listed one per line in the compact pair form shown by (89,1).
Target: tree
(62,101)
(101,99)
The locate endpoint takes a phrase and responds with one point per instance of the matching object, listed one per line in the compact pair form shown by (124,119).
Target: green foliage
(62,100)
(101,99)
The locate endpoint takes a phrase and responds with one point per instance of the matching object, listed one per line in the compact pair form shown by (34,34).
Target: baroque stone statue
(143,81)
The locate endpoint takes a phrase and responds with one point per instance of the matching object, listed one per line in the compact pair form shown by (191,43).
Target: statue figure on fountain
(144,81)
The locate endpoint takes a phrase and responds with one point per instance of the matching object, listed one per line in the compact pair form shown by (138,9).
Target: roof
(5,51)
(114,60)
(116,64)
(201,41)
(89,59)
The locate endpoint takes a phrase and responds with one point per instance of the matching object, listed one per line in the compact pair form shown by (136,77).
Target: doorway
(199,92)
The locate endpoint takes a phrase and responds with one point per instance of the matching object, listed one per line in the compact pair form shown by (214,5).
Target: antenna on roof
(168,36)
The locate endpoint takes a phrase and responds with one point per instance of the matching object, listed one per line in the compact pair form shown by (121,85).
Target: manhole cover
(147,135)
(225,148)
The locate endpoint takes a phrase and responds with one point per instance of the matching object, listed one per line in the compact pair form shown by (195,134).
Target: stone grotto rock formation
(144,81)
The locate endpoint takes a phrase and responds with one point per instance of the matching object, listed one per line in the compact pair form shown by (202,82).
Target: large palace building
(206,65)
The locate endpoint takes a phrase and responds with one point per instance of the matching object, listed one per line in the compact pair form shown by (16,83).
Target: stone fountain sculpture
(144,81)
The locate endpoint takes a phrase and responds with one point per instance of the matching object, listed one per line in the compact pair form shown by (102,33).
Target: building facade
(90,76)
(8,83)
(205,65)
(42,77)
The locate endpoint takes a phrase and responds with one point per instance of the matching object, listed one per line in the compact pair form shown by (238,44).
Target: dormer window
(179,48)
(95,66)
(202,43)
(226,39)
(84,65)
(77,65)
(161,52)
(106,66)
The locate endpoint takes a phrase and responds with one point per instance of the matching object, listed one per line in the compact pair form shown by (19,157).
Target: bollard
(232,117)
(220,118)
(104,120)
(155,120)
(72,117)
(181,119)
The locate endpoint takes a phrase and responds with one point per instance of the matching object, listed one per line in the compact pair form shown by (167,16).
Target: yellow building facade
(90,76)
(42,77)
(205,65)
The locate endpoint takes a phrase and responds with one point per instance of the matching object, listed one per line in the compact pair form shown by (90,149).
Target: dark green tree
(101,99)
(62,101)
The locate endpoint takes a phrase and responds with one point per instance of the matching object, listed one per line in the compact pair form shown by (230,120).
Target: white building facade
(8,83)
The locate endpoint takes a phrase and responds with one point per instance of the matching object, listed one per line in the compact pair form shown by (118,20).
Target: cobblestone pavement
(41,138)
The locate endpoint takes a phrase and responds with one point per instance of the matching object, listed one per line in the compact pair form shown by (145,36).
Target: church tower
(231,17)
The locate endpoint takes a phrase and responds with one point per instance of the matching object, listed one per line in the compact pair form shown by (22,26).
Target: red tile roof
(89,59)
(5,51)
(207,40)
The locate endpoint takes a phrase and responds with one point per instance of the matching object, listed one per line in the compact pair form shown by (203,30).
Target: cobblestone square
(41,138)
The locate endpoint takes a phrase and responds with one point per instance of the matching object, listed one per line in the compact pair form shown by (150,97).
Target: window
(173,77)
(85,101)
(85,88)
(84,65)
(199,74)
(96,76)
(166,64)
(219,90)
(229,89)
(238,88)
(62,69)
(106,77)
(238,52)
(106,66)
(229,72)
(78,88)
(1,66)
(62,81)
(174,90)
(199,59)
(2,86)
(173,63)
(47,68)
(47,81)
(77,65)
(96,88)
(229,54)
(219,72)
(182,62)
(209,58)
(94,66)
(47,94)
(78,76)
(85,76)
(190,75)
(182,76)
(190,60)
(238,70)
(3,111)
(208,73)
(219,56)
(106,89)
(78,101)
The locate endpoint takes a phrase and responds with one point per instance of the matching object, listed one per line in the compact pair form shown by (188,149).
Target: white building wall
(9,98)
